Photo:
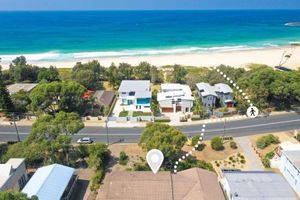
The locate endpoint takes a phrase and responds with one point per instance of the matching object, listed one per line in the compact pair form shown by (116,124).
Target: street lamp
(17,131)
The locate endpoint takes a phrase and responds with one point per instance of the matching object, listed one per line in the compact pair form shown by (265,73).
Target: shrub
(123,114)
(266,160)
(267,140)
(243,161)
(96,180)
(233,145)
(217,144)
(140,114)
(161,120)
(123,158)
(195,140)
(191,163)
(141,167)
(223,109)
(298,137)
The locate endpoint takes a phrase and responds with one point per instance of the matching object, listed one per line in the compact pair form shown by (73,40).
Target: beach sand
(270,56)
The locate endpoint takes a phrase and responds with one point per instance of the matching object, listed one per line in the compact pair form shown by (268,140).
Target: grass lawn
(123,114)
(140,113)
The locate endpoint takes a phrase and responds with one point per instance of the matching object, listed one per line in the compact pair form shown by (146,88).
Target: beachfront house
(224,93)
(210,94)
(175,97)
(135,95)
(287,160)
(207,94)
(241,185)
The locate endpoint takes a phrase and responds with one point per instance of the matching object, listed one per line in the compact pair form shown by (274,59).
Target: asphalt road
(245,127)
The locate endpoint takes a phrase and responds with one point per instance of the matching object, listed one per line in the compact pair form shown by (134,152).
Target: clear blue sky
(146,4)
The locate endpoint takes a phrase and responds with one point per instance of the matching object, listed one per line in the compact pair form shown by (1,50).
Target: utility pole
(17,131)
(224,128)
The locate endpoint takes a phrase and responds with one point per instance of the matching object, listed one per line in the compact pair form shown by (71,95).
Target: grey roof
(143,94)
(258,185)
(104,97)
(223,88)
(206,89)
(294,157)
(134,85)
(17,87)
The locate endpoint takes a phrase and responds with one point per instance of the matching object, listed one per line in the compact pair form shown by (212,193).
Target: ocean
(65,35)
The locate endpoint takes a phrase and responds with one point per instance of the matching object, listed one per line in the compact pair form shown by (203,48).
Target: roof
(104,97)
(186,185)
(49,183)
(17,87)
(223,88)
(134,85)
(288,146)
(7,169)
(170,91)
(258,185)
(206,89)
(294,157)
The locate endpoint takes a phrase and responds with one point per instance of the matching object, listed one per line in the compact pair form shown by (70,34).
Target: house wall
(290,172)
(223,97)
(17,179)
(226,189)
(186,106)
(209,101)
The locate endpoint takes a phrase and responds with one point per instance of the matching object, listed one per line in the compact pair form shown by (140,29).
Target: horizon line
(215,9)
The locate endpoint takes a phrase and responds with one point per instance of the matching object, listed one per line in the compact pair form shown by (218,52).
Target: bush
(123,158)
(183,120)
(223,109)
(191,163)
(243,161)
(233,145)
(217,143)
(123,114)
(298,137)
(267,140)
(141,167)
(161,120)
(96,180)
(266,160)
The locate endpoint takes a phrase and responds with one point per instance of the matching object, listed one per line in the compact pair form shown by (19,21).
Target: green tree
(98,156)
(13,195)
(142,71)
(178,74)
(125,72)
(198,108)
(21,101)
(6,104)
(217,143)
(163,137)
(51,74)
(112,76)
(58,96)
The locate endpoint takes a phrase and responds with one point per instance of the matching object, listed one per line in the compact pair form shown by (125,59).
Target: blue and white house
(287,161)
(135,95)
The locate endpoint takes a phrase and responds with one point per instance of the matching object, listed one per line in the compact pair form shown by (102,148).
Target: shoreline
(236,58)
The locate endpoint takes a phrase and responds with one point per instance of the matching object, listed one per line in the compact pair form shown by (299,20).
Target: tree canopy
(13,195)
(58,96)
(6,104)
(163,137)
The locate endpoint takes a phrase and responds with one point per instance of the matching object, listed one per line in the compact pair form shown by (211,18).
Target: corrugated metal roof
(50,182)
(206,89)
(258,185)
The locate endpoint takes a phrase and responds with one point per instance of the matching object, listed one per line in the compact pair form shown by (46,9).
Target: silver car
(85,140)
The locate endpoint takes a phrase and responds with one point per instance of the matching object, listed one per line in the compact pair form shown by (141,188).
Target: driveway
(255,162)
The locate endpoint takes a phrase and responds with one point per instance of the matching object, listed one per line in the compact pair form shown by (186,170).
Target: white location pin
(154,159)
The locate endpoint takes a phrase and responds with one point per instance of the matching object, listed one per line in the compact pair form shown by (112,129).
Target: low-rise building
(175,97)
(209,94)
(17,87)
(135,95)
(53,182)
(224,93)
(287,160)
(189,184)
(256,185)
(104,98)
(13,174)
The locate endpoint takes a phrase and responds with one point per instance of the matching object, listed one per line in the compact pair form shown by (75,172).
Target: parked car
(85,140)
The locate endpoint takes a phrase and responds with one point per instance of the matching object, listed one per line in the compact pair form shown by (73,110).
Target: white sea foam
(61,56)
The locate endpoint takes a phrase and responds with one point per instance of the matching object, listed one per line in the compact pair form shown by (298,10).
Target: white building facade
(175,97)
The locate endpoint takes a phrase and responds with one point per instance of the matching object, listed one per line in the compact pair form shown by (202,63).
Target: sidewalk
(255,162)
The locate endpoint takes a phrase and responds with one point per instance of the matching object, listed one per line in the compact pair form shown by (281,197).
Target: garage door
(167,110)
